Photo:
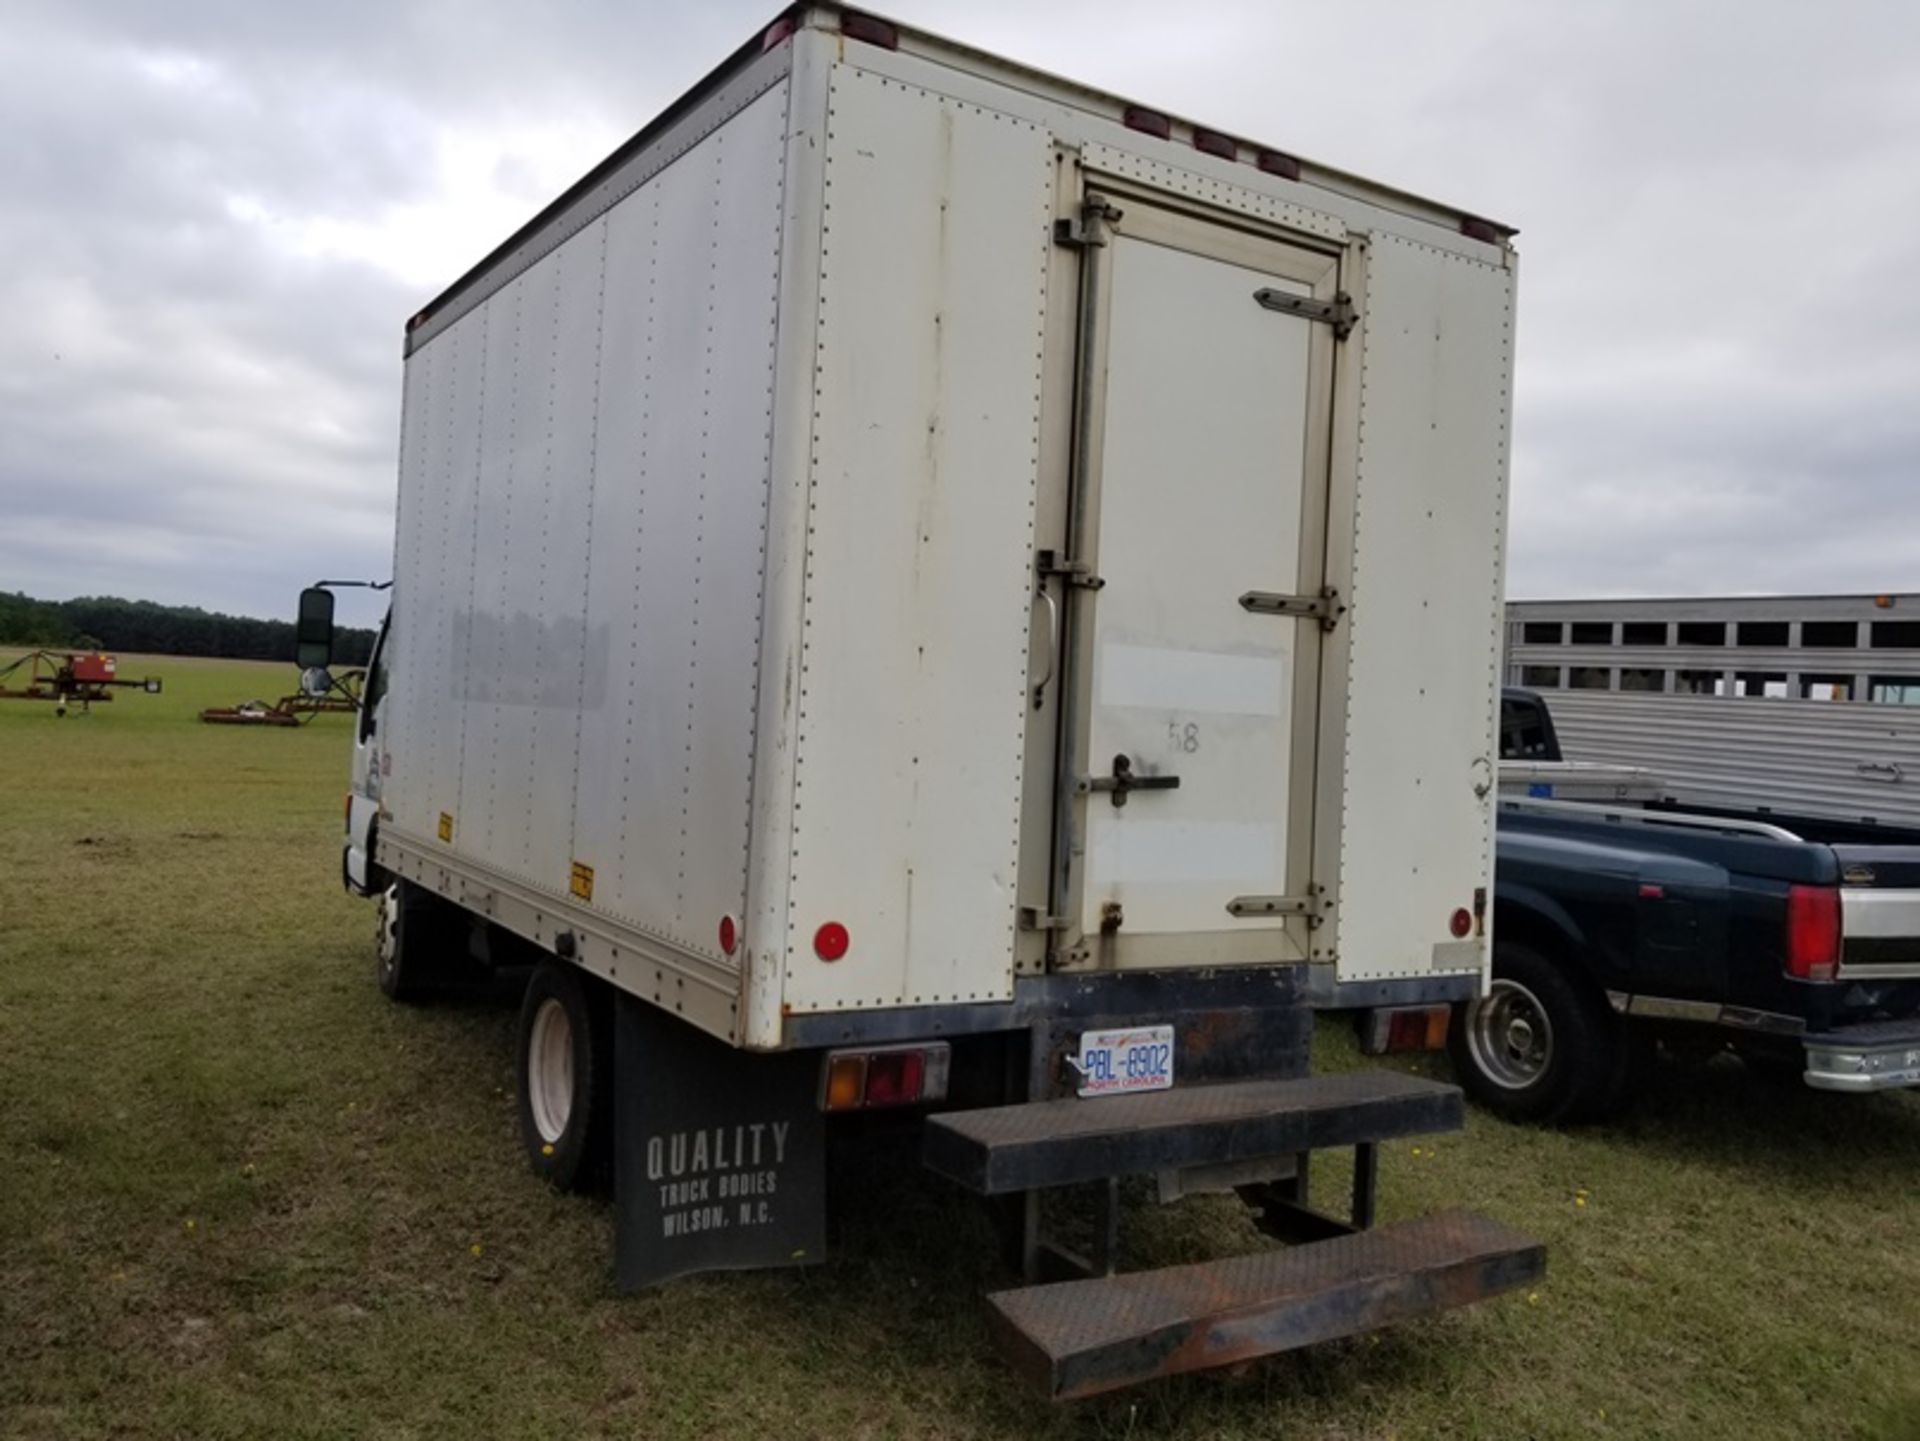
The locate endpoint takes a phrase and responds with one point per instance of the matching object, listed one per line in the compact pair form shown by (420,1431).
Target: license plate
(1112,1063)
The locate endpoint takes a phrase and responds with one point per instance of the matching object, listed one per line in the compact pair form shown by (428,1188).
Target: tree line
(102,622)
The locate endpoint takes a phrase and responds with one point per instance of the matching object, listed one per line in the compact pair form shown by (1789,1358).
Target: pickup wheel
(565,1056)
(1536,1048)
(415,952)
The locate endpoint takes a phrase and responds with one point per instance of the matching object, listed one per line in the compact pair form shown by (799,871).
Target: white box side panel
(481,679)
(510,667)
(441,638)
(1423,641)
(913,681)
(557,549)
(617,753)
(677,526)
(419,734)
(736,417)
(407,720)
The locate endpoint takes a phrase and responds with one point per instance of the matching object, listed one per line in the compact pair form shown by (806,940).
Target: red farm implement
(68,677)
(341,693)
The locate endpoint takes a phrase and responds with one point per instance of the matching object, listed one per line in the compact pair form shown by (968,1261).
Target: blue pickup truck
(1622,922)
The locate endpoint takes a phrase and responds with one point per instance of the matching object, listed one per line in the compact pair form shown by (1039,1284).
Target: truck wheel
(566,1077)
(1535,1048)
(414,958)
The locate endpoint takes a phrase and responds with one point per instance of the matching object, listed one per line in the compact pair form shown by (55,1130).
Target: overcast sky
(216,214)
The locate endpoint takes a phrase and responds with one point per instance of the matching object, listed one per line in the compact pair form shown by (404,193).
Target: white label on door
(1142,850)
(1163,678)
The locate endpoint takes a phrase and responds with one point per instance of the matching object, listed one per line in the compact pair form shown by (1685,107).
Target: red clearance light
(1813,932)
(856,26)
(1147,122)
(830,942)
(778,31)
(729,935)
(1460,923)
(1274,163)
(1212,142)
(1476,229)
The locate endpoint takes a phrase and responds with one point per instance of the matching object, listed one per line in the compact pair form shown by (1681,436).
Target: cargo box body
(896,494)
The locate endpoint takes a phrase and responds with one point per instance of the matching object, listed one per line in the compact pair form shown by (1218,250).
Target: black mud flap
(720,1154)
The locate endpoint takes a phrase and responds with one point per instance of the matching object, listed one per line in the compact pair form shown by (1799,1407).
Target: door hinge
(1312,906)
(1089,225)
(1337,312)
(1037,918)
(1324,607)
(1074,572)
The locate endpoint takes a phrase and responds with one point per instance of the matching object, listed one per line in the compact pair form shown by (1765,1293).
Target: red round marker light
(1461,923)
(729,935)
(830,942)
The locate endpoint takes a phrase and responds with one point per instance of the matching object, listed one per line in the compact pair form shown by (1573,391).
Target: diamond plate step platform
(1079,1338)
(1004,1149)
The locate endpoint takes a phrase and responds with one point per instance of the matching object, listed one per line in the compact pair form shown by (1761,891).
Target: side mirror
(313,631)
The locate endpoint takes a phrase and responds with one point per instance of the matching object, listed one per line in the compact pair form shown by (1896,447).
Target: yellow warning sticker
(446,827)
(582,883)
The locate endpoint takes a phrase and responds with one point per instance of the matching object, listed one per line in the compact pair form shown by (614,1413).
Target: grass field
(243,1195)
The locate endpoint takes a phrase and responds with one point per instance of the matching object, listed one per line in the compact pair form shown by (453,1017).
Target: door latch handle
(1124,782)
(1053,647)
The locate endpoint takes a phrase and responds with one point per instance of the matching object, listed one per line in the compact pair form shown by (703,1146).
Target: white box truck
(922,585)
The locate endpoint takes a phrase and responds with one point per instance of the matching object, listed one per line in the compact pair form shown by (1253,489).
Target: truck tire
(1537,1048)
(565,1068)
(416,954)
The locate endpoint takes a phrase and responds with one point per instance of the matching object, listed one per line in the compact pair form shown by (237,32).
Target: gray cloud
(218,214)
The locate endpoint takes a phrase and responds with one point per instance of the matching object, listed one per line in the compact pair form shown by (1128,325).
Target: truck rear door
(1184,827)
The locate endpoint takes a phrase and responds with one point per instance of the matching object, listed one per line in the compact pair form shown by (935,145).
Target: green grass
(244,1196)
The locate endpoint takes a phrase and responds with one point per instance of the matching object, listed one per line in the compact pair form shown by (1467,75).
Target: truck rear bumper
(1878,1056)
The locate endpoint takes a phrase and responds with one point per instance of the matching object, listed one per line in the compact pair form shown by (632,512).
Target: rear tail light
(886,1076)
(1813,932)
(1405,1028)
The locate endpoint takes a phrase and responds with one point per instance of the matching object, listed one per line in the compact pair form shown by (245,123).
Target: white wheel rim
(389,922)
(550,1071)
(1510,1036)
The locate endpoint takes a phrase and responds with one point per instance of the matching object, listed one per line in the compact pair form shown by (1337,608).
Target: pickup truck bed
(1618,922)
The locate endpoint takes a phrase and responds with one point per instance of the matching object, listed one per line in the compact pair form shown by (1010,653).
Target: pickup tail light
(1813,932)
(883,1076)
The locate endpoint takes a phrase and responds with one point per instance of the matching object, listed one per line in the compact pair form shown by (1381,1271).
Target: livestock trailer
(923,586)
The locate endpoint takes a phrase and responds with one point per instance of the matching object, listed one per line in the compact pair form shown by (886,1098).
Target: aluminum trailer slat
(1840,760)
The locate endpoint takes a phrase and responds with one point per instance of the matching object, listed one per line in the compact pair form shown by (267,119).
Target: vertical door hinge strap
(1324,607)
(1337,312)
